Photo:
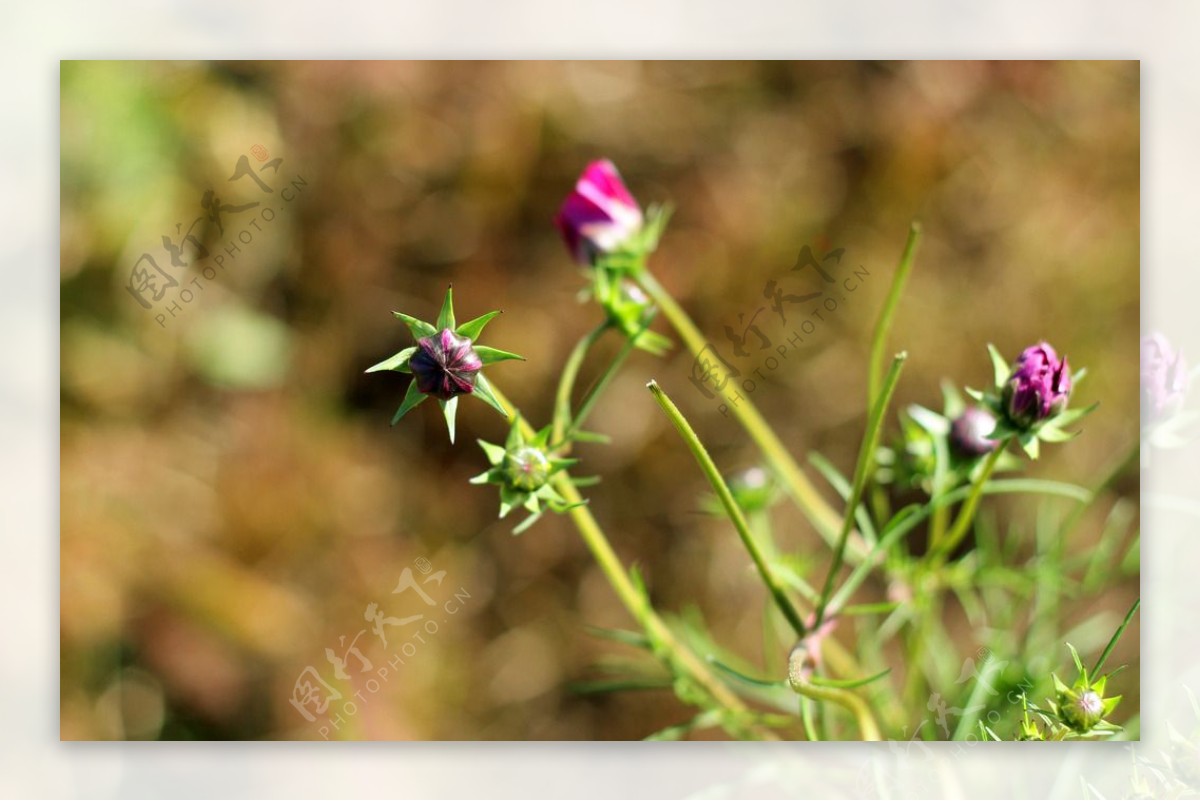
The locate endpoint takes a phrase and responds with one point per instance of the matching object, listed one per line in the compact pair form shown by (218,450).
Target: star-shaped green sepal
(522,469)
(445,362)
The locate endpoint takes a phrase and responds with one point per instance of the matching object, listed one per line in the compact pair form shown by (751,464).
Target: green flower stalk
(522,469)
(445,362)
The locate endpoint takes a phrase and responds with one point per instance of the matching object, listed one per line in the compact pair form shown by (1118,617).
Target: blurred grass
(232,496)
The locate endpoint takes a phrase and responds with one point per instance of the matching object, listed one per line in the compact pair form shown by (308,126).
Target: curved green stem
(589,401)
(634,601)
(734,511)
(815,508)
(566,383)
(847,699)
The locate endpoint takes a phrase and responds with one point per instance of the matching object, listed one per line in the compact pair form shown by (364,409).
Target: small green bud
(527,468)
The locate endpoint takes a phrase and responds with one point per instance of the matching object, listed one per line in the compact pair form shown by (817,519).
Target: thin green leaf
(842,487)
(849,684)
(1116,636)
(742,677)
(632,638)
(602,686)
(591,436)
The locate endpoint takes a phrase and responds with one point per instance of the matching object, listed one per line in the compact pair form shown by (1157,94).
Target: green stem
(601,384)
(566,383)
(815,508)
(884,323)
(866,458)
(847,699)
(966,515)
(633,600)
(734,511)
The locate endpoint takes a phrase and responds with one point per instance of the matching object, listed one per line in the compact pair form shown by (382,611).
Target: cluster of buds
(522,469)
(938,451)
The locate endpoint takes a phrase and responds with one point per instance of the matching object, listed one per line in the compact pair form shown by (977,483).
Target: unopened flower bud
(1081,709)
(527,468)
(599,215)
(445,365)
(1038,387)
(968,433)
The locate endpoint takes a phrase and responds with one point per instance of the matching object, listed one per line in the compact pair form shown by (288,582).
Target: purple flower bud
(1038,387)
(1164,377)
(599,215)
(445,365)
(968,433)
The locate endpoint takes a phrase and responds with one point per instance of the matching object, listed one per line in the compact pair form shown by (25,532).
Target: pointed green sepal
(1000,366)
(450,411)
(495,453)
(483,391)
(398,362)
(526,523)
(412,398)
(510,499)
(473,328)
(486,477)
(1029,443)
(418,328)
(446,315)
(491,355)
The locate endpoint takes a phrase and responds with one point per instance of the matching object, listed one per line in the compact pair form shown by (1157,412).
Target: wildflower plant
(825,671)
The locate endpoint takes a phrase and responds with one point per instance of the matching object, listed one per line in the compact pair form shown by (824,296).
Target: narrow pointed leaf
(418,328)
(450,410)
(473,328)
(1000,366)
(591,436)
(490,355)
(412,398)
(1029,444)
(1071,415)
(483,391)
(446,315)
(397,362)
(1055,434)
(847,684)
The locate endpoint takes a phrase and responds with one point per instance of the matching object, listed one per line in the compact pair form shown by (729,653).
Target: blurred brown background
(232,495)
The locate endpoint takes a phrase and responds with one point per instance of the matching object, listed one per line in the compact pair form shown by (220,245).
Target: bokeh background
(232,496)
